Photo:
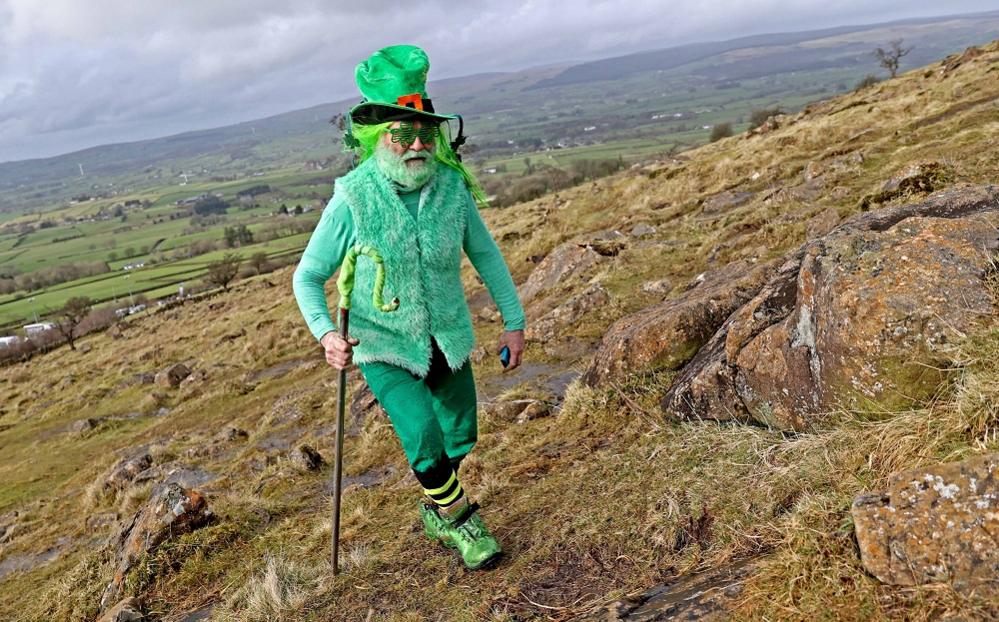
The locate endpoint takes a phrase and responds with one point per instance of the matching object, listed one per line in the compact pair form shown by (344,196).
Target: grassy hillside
(600,499)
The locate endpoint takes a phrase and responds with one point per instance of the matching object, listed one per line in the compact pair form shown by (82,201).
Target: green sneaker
(434,525)
(466,532)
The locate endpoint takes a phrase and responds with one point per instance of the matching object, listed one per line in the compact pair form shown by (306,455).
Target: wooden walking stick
(345,285)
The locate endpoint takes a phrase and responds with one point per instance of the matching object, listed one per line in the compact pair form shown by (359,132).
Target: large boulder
(933,524)
(860,317)
(171,510)
(667,335)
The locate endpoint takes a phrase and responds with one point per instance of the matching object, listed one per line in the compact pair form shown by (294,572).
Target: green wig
(367,136)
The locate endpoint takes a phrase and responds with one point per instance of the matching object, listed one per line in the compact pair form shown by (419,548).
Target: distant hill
(776,45)
(511,113)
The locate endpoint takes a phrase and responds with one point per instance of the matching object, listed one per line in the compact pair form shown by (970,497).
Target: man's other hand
(514,340)
(339,352)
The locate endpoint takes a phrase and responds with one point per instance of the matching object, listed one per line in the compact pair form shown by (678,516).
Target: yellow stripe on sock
(451,497)
(437,491)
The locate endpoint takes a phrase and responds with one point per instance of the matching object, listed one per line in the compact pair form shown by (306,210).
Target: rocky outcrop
(125,470)
(939,523)
(548,326)
(857,317)
(723,202)
(666,335)
(918,177)
(705,596)
(171,511)
(821,223)
(565,262)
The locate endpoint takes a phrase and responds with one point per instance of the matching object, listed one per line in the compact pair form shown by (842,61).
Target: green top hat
(394,85)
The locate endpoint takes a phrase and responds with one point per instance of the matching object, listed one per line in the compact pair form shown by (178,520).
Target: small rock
(813,170)
(101,520)
(641,230)
(605,247)
(85,348)
(141,378)
(535,410)
(230,433)
(821,224)
(488,314)
(172,376)
(192,385)
(506,410)
(724,202)
(126,610)
(125,470)
(917,175)
(839,192)
(82,426)
(306,458)
(659,287)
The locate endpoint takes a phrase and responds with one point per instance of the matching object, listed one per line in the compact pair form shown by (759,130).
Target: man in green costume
(412,199)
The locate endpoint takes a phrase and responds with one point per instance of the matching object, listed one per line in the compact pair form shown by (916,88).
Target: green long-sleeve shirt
(334,234)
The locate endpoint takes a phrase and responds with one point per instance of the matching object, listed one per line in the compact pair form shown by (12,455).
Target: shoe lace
(469,531)
(468,525)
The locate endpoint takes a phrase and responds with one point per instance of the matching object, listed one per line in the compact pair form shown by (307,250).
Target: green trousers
(434,416)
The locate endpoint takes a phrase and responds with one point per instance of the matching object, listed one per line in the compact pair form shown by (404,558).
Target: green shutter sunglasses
(406,134)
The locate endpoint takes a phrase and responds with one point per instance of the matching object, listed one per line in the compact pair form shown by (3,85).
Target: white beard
(407,176)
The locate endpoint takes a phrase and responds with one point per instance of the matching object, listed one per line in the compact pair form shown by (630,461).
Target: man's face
(409,160)
(415,154)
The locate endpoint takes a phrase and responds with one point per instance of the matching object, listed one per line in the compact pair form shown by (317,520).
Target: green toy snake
(345,282)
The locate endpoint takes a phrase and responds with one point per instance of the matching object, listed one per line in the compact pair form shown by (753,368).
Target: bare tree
(720,130)
(223,271)
(889,58)
(259,261)
(70,316)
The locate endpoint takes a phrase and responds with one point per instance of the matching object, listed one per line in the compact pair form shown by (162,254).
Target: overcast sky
(79,73)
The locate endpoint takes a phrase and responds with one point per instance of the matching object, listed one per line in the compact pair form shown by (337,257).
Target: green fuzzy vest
(422,265)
